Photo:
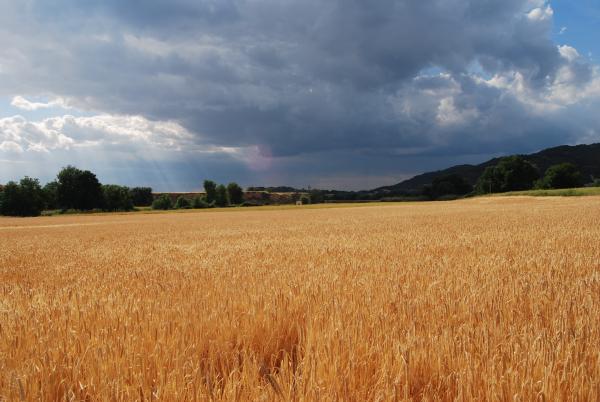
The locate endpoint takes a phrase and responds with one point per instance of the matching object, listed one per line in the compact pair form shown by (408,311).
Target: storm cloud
(293,91)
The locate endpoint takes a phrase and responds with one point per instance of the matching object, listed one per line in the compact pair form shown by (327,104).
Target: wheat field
(490,299)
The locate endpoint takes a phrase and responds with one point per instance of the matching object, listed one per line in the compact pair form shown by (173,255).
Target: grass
(488,298)
(571,192)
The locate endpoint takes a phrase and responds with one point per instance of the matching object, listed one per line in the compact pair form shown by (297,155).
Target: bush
(182,203)
(141,196)
(305,199)
(117,198)
(163,202)
(564,175)
(200,203)
(25,198)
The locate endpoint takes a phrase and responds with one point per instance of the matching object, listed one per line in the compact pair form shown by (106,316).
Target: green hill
(585,157)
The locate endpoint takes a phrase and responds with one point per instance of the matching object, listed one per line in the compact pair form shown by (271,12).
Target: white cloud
(449,115)
(568,52)
(562,31)
(541,13)
(24,104)
(10,146)
(67,132)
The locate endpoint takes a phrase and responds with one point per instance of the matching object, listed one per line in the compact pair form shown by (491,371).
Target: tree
(210,187)
(51,195)
(25,198)
(162,202)
(78,189)
(305,199)
(451,184)
(236,194)
(116,198)
(512,173)
(563,175)
(490,181)
(141,196)
(221,197)
(182,203)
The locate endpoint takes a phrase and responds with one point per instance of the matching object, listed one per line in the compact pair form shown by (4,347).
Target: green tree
(512,173)
(78,189)
(182,203)
(51,195)
(451,184)
(221,197)
(563,175)
(116,198)
(210,187)
(25,198)
(141,196)
(236,194)
(162,202)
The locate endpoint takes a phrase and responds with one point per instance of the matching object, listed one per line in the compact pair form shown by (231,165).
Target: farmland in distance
(484,299)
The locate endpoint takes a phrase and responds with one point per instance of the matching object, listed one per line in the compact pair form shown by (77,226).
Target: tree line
(80,190)
(512,173)
(216,195)
(73,189)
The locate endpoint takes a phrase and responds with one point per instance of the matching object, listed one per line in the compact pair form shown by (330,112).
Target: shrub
(117,198)
(305,199)
(162,202)
(200,203)
(564,175)
(25,198)
(182,203)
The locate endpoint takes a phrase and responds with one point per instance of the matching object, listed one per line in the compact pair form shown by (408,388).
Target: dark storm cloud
(306,78)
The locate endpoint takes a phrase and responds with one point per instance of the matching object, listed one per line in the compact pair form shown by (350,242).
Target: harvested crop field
(483,299)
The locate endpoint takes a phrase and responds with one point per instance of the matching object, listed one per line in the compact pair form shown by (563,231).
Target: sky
(343,94)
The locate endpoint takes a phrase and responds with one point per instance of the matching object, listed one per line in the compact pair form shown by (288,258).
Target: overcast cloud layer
(336,93)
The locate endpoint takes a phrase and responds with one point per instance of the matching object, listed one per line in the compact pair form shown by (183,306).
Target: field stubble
(484,299)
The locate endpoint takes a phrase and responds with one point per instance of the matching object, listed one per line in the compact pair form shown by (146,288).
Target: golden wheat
(489,299)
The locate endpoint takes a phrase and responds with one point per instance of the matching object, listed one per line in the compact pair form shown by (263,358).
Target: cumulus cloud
(568,52)
(22,103)
(66,132)
(541,13)
(271,84)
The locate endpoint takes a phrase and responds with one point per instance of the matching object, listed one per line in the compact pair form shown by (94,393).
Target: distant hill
(585,157)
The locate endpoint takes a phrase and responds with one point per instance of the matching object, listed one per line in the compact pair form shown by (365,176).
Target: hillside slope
(585,157)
